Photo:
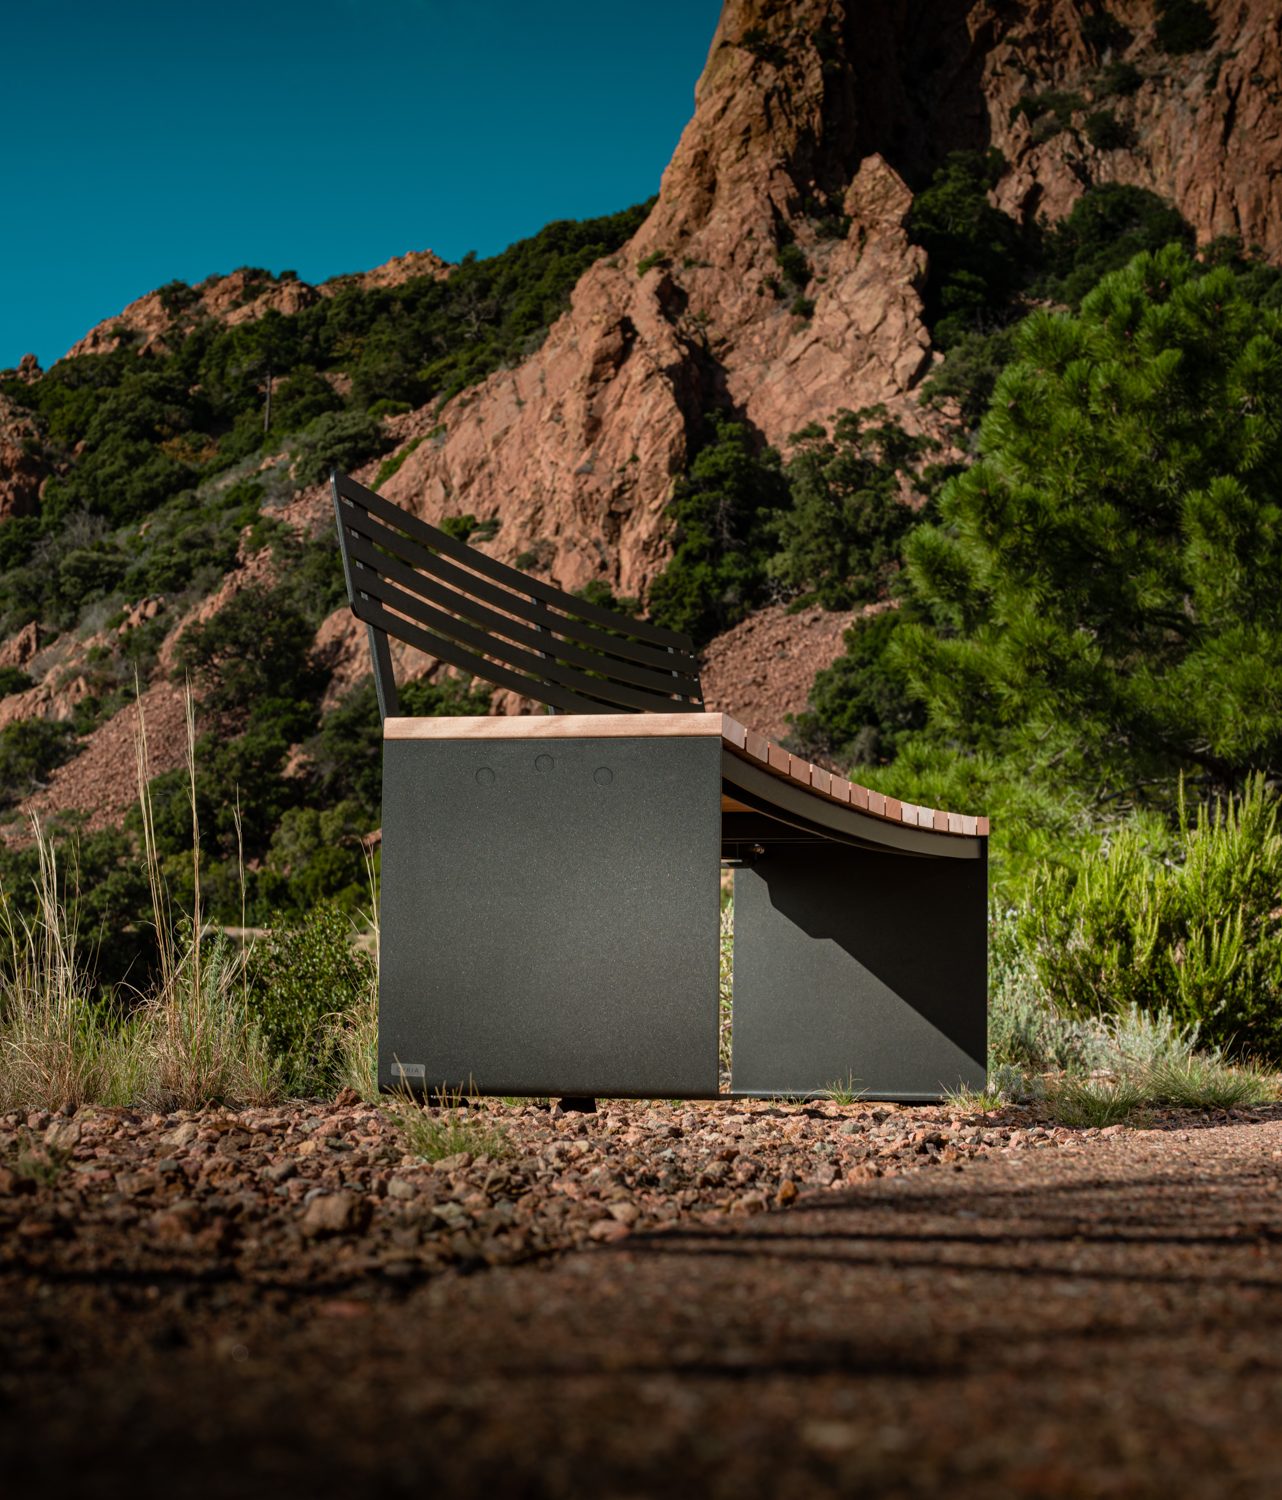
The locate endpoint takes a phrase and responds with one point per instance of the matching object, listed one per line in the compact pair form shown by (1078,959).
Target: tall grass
(55,1045)
(1190,924)
(188,1040)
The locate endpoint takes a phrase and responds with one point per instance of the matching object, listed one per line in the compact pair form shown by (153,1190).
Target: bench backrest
(413,581)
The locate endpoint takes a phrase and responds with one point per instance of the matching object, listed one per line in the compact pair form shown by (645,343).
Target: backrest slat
(520,605)
(439,541)
(541,670)
(538,638)
(412,581)
(476,666)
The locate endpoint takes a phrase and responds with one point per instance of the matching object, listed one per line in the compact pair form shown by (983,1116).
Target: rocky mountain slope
(774,278)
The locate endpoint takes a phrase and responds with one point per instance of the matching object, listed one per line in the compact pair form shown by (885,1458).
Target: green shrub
(976,252)
(838,542)
(655,258)
(341,440)
(1184,26)
(720,514)
(14,680)
(1195,931)
(302,976)
(253,650)
(1107,133)
(794,265)
(29,750)
(459,527)
(858,709)
(1119,79)
(392,464)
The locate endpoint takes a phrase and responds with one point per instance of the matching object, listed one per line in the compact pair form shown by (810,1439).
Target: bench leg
(550,916)
(859,968)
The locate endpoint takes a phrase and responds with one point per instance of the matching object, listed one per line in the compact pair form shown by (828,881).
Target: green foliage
(1119,79)
(839,540)
(254,650)
(14,680)
(720,516)
(29,750)
(794,265)
(342,440)
(302,976)
(391,465)
(1184,26)
(459,527)
(969,375)
(1110,224)
(658,258)
(1098,577)
(1194,929)
(976,251)
(858,711)
(1107,133)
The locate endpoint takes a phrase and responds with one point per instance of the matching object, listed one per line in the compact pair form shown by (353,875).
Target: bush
(1107,133)
(342,440)
(720,515)
(1195,930)
(838,542)
(14,680)
(302,976)
(858,709)
(253,650)
(976,251)
(1184,26)
(29,750)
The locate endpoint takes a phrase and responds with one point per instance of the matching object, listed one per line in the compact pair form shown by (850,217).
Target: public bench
(550,889)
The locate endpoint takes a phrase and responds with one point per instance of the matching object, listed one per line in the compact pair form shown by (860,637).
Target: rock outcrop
(22,469)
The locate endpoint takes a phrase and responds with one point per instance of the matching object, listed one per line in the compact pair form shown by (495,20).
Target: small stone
(347,1098)
(280,1171)
(335,1213)
(625,1213)
(751,1203)
(401,1187)
(12,1183)
(787,1192)
(459,1162)
(63,1134)
(182,1135)
(608,1230)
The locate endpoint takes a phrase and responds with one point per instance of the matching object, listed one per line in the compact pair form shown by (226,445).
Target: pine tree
(1104,581)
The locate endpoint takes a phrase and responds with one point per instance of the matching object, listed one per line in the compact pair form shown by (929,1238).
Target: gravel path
(711,1299)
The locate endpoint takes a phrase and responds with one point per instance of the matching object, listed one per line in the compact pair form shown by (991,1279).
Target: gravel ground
(720,1298)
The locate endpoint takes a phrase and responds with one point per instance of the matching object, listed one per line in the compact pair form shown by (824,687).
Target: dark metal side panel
(859,965)
(550,915)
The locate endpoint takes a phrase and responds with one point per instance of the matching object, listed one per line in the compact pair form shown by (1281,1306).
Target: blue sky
(154,141)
